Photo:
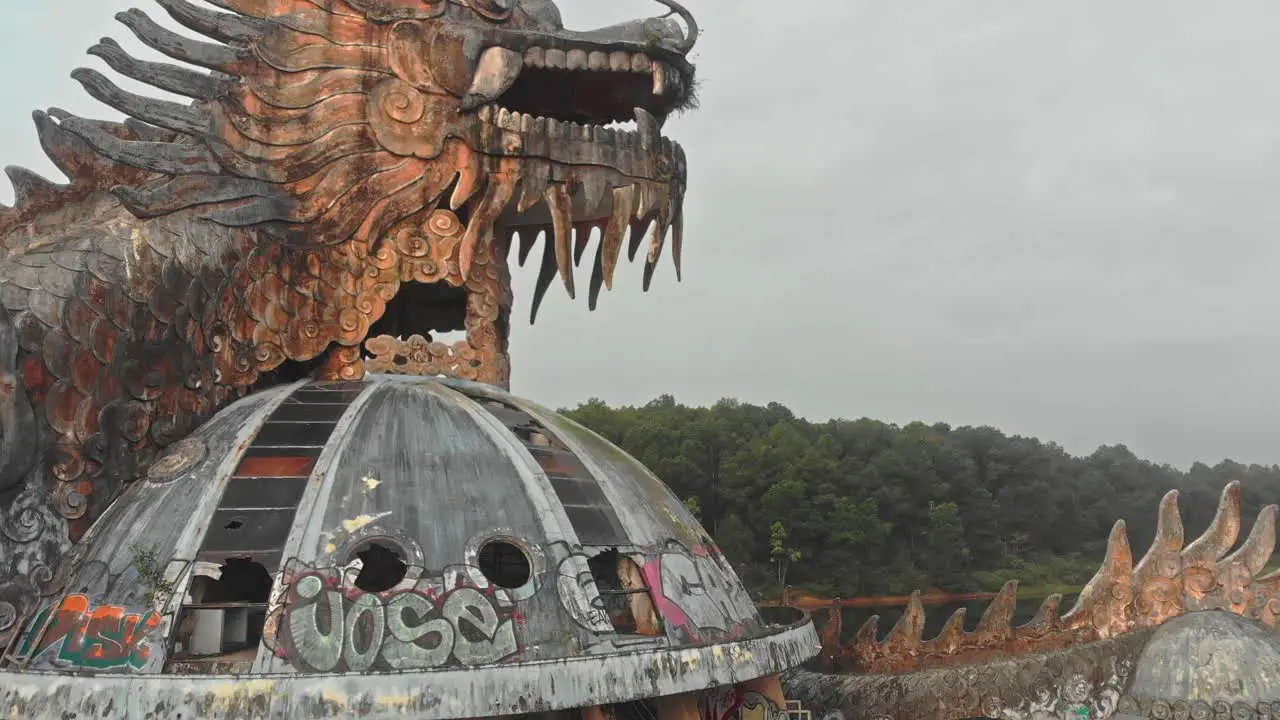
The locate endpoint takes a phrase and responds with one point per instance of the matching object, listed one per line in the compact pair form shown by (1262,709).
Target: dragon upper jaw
(581,114)
(559,99)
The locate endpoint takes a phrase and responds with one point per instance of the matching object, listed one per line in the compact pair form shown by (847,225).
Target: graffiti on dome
(76,634)
(329,626)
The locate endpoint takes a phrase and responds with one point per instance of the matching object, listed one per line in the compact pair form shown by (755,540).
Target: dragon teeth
(646,136)
(596,60)
(665,77)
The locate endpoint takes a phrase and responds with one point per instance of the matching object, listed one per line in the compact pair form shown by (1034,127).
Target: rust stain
(268,467)
(810,603)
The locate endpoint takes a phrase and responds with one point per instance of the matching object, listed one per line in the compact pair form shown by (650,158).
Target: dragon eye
(492,9)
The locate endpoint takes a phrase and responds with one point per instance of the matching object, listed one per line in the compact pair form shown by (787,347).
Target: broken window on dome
(625,594)
(381,568)
(222,616)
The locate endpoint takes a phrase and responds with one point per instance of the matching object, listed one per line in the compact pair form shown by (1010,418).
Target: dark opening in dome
(382,568)
(504,564)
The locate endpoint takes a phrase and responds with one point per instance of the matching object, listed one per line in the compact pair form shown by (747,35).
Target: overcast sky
(1058,218)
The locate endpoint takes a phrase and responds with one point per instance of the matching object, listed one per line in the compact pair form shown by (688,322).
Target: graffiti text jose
(327,630)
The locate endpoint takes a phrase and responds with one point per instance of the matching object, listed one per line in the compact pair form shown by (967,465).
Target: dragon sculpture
(1187,632)
(345,183)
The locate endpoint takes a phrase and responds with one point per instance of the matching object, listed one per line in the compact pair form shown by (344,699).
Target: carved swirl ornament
(177,460)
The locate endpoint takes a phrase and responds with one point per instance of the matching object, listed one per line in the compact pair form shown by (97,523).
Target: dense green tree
(872,507)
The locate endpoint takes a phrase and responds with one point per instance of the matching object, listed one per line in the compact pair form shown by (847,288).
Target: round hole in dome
(504,564)
(382,566)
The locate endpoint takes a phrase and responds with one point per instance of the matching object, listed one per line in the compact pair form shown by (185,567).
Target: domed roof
(1236,660)
(467,553)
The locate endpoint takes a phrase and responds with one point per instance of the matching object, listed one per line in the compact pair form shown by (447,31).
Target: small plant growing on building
(147,562)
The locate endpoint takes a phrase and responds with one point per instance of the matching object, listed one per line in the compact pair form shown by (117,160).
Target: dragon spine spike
(1120,598)
(222,27)
(1222,532)
(223,58)
(163,158)
(1163,558)
(171,116)
(908,633)
(1116,571)
(869,632)
(163,76)
(998,617)
(31,188)
(950,638)
(1253,555)
(1046,617)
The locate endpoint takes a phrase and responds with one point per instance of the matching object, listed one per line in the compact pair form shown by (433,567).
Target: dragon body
(1188,631)
(346,181)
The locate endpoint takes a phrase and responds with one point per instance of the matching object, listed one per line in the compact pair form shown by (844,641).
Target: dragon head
(386,153)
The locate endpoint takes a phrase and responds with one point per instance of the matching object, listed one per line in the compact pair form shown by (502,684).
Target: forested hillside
(873,508)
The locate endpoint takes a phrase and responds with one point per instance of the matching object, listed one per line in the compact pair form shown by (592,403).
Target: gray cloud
(1055,218)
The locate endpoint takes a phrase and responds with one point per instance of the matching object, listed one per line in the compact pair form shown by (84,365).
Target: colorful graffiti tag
(80,636)
(328,627)
(697,599)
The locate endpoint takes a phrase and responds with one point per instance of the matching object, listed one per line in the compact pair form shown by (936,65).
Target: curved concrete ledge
(537,686)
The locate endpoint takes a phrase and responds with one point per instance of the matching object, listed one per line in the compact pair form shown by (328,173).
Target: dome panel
(152,519)
(1236,659)
(418,465)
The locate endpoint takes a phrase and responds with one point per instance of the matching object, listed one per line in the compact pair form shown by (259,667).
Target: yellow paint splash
(360,521)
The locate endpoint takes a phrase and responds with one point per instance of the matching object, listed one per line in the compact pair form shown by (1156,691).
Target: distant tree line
(862,507)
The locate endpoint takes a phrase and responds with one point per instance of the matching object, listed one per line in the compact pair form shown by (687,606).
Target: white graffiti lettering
(326,630)
(579,595)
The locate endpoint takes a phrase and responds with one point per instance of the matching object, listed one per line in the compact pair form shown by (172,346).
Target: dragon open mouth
(593,88)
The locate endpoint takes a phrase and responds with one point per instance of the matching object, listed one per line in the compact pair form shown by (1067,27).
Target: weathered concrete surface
(468,692)
(1084,681)
(1210,656)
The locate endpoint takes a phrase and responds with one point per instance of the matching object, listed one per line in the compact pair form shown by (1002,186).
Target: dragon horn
(684,46)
